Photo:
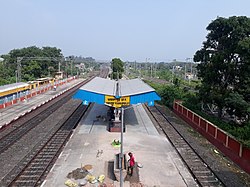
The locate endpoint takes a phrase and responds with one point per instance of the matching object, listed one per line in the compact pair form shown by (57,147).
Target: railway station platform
(22,107)
(90,145)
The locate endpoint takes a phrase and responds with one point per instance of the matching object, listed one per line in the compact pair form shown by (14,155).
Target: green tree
(35,62)
(169,93)
(117,68)
(32,70)
(4,74)
(50,66)
(225,59)
(165,74)
(237,105)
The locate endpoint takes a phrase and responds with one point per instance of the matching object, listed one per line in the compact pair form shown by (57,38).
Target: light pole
(71,67)
(121,148)
(19,59)
(16,75)
(59,66)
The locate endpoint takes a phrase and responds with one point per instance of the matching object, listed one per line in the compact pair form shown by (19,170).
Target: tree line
(222,94)
(35,62)
(224,67)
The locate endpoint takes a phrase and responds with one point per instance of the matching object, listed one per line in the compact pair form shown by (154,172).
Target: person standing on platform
(131,163)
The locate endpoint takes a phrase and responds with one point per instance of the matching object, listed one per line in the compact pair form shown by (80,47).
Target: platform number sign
(117,102)
(85,102)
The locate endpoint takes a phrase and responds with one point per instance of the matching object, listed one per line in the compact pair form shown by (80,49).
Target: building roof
(8,87)
(109,87)
(102,90)
(133,87)
(100,86)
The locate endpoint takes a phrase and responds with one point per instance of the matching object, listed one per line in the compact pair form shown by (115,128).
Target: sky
(132,30)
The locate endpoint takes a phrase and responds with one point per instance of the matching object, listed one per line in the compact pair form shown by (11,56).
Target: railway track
(35,140)
(202,173)
(20,129)
(31,169)
(50,128)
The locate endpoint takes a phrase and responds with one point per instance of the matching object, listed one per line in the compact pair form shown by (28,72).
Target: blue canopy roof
(98,88)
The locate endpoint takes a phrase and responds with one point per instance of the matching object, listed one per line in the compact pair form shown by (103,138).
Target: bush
(169,93)
(191,101)
(241,133)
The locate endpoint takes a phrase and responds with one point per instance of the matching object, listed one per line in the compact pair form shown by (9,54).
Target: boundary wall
(31,93)
(223,141)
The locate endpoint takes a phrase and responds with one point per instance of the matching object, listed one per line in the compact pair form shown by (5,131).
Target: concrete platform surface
(14,111)
(91,145)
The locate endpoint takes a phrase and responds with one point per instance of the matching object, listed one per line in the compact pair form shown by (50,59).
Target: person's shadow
(135,177)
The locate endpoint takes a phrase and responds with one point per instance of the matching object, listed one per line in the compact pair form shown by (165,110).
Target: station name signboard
(117,102)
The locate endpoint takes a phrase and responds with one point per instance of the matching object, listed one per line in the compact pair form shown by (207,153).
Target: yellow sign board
(117,102)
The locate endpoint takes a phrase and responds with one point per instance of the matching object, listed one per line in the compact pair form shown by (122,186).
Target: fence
(223,141)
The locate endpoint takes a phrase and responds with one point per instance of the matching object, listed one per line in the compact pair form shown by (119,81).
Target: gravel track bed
(229,173)
(29,116)
(20,149)
(21,152)
(23,129)
(203,175)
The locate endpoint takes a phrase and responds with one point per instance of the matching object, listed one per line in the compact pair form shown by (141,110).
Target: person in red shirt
(131,163)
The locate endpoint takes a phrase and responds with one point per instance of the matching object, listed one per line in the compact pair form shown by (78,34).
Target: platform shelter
(117,93)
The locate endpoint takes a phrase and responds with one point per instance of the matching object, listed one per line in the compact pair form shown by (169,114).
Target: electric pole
(71,68)
(19,59)
(151,70)
(155,69)
(59,66)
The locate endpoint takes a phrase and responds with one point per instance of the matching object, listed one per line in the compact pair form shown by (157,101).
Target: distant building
(177,68)
(189,76)
(59,75)
(80,66)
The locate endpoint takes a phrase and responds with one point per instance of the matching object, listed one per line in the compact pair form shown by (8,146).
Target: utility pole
(19,59)
(173,74)
(155,69)
(71,68)
(16,75)
(112,74)
(151,70)
(67,68)
(191,67)
(59,66)
(140,71)
(185,72)
(147,71)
